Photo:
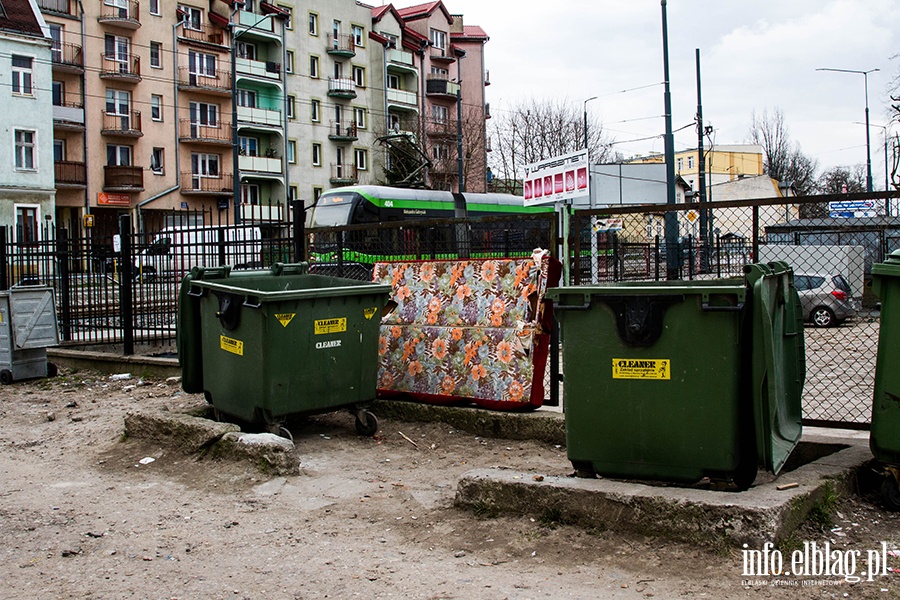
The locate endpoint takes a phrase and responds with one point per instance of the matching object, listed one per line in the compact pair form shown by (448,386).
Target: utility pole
(671,219)
(701,176)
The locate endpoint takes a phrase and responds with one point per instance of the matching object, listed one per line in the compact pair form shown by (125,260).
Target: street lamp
(865,75)
(884,129)
(585,120)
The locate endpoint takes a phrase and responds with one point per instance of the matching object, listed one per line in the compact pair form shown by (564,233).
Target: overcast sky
(755,56)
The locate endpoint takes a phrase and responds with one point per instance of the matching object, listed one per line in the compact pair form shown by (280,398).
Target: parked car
(826,298)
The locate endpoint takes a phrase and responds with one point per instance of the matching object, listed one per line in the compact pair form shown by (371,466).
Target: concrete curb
(761,514)
(107,362)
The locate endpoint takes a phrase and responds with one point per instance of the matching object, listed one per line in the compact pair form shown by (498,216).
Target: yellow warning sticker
(336,325)
(285,318)
(231,345)
(645,368)
(369,312)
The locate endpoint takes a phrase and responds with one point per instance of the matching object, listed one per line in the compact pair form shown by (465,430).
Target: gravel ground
(84,514)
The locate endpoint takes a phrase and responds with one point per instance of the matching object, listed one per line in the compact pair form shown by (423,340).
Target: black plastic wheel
(366,423)
(6,377)
(584,469)
(823,317)
(890,494)
(52,370)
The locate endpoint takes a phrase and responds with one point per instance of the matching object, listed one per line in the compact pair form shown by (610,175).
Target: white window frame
(157,46)
(359,76)
(313,24)
(440,114)
(22,76)
(158,166)
(690,162)
(34,218)
(358,32)
(289,59)
(193,19)
(60,145)
(205,166)
(315,110)
(246,50)
(292,152)
(291,107)
(393,82)
(26,150)
(289,19)
(316,154)
(359,117)
(313,66)
(249,145)
(204,113)
(438,39)
(202,64)
(246,98)
(156,105)
(249,193)
(121,155)
(361,159)
(154,8)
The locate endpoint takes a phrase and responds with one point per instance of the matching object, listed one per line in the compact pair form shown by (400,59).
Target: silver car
(826,298)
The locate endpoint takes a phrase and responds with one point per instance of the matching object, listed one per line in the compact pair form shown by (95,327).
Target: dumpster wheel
(6,377)
(280,430)
(366,423)
(890,493)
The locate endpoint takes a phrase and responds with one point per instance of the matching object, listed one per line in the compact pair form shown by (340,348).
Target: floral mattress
(466,330)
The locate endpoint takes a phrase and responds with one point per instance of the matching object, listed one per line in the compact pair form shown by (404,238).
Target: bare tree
(782,159)
(842,180)
(534,130)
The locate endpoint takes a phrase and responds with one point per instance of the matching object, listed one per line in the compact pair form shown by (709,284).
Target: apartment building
(235,108)
(26,187)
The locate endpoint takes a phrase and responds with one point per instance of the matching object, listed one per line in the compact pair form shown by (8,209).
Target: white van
(175,250)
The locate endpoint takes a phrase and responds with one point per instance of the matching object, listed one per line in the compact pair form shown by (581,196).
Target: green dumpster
(267,344)
(680,380)
(884,437)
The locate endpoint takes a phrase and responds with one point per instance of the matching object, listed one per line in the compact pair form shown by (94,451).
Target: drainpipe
(284,121)
(423,119)
(84,140)
(177,146)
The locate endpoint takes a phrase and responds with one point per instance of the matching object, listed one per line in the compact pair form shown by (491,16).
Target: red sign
(113,199)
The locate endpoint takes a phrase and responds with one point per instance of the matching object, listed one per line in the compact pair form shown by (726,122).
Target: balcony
(262,212)
(266,69)
(441,129)
(256,25)
(343,174)
(126,70)
(69,115)
(118,178)
(205,34)
(443,55)
(341,45)
(487,110)
(126,17)
(341,132)
(70,174)
(341,88)
(401,58)
(219,84)
(207,185)
(440,86)
(122,125)
(204,134)
(60,7)
(487,78)
(259,116)
(67,58)
(260,164)
(403,98)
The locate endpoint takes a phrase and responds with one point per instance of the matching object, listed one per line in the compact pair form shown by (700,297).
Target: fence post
(63,254)
(125,280)
(299,234)
(656,255)
(4,260)
(555,375)
(690,256)
(718,256)
(755,237)
(615,240)
(575,265)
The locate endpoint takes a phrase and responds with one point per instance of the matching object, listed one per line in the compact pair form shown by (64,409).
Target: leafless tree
(782,159)
(842,180)
(534,130)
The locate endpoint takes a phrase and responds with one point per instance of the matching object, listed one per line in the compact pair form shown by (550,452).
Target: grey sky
(754,56)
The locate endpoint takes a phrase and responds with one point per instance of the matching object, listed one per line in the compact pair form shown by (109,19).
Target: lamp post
(865,75)
(235,144)
(585,121)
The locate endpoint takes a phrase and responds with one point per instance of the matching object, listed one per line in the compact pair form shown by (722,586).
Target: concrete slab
(762,514)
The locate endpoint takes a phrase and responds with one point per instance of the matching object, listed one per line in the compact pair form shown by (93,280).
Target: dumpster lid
(890,266)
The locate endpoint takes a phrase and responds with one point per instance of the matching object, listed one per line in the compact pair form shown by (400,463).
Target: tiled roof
(18,16)
(471,32)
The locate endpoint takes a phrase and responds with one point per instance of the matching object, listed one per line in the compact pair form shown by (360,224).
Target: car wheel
(823,317)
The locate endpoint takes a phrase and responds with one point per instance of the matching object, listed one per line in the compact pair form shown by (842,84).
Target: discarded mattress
(467,330)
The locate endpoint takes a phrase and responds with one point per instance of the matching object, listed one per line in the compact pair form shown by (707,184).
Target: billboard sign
(851,209)
(555,179)
(105,199)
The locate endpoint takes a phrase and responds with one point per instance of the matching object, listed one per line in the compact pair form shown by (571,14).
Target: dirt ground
(84,514)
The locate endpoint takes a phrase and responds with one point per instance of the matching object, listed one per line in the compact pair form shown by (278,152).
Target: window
(359,36)
(314,67)
(317,155)
(118,156)
(438,39)
(289,19)
(393,82)
(317,191)
(360,159)
(249,193)
(118,102)
(246,50)
(204,114)
(313,24)
(292,151)
(291,107)
(359,76)
(335,32)
(289,67)
(118,50)
(56,33)
(439,113)
(248,146)
(338,70)
(154,7)
(679,164)
(440,151)
(191,17)
(314,106)
(26,224)
(59,93)
(292,193)
(200,63)
(59,150)
(22,75)
(26,142)
(156,107)
(690,162)
(246,98)
(440,72)
(157,161)
(359,117)
(156,55)
(204,165)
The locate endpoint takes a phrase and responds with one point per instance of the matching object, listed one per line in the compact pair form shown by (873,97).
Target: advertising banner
(555,179)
